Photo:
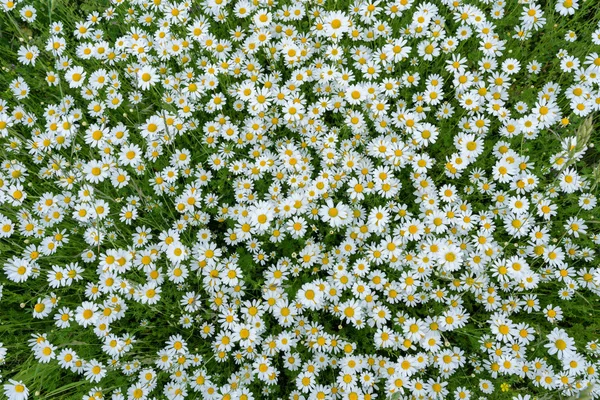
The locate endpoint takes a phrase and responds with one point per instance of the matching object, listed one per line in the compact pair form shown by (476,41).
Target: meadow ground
(313,199)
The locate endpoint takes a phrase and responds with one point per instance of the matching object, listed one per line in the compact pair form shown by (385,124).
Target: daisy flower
(146,77)
(87,313)
(335,215)
(16,390)
(75,76)
(553,313)
(27,55)
(336,24)
(94,371)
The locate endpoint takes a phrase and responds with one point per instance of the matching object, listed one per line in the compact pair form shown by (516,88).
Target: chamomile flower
(87,313)
(559,343)
(75,76)
(94,371)
(566,7)
(28,55)
(16,390)
(146,77)
(335,214)
(553,313)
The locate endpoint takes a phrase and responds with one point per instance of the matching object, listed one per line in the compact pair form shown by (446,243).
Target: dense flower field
(313,199)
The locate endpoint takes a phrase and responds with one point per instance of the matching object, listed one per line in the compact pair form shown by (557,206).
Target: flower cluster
(304,200)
